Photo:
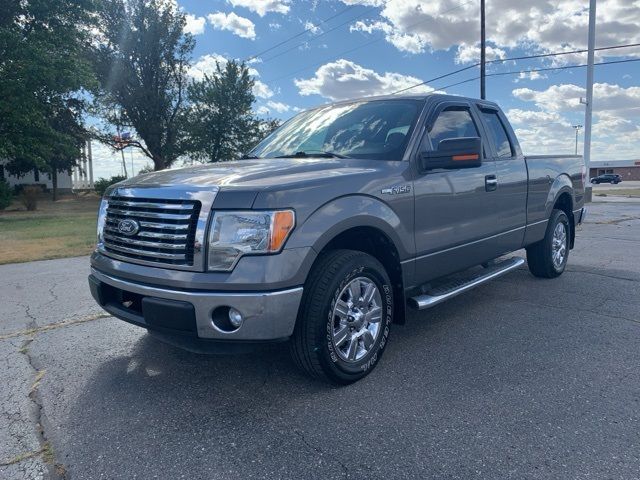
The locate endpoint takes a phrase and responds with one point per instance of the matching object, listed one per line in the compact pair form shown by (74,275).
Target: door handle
(490,183)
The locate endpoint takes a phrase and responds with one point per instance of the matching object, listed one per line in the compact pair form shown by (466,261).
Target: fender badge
(396,190)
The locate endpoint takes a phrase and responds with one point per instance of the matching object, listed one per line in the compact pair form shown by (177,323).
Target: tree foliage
(43,68)
(141,63)
(220,122)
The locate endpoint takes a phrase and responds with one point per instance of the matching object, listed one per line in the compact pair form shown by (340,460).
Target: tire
(540,255)
(320,346)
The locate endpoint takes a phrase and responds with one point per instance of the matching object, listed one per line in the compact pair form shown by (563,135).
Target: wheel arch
(375,242)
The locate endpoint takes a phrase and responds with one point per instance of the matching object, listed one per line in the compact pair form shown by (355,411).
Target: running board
(460,285)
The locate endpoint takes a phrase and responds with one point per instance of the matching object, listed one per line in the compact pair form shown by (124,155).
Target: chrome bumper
(267,315)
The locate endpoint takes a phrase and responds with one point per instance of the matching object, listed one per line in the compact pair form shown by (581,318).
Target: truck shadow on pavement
(490,365)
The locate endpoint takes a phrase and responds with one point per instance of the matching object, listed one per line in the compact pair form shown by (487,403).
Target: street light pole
(483,58)
(577,129)
(589,102)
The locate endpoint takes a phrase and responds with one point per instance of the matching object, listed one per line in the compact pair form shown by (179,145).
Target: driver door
(455,212)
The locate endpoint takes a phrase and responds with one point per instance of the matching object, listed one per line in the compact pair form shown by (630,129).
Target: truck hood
(261,173)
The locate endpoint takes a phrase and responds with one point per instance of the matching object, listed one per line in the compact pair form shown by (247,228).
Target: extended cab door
(510,196)
(455,212)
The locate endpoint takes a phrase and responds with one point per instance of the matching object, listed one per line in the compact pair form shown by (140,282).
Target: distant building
(81,178)
(627,169)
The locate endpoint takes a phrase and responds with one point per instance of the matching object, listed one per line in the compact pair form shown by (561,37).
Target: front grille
(166,229)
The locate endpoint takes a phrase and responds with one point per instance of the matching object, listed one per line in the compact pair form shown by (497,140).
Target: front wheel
(344,321)
(548,257)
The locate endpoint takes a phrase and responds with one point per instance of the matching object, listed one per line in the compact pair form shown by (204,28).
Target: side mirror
(464,152)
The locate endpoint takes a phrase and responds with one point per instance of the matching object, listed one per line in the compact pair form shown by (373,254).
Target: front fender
(352,211)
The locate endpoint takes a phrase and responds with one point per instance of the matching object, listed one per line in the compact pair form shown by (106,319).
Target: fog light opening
(227,319)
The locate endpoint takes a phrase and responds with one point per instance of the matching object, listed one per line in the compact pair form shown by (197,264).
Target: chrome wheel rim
(559,245)
(356,319)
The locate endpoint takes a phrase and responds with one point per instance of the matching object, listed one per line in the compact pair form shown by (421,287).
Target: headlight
(234,234)
(102,218)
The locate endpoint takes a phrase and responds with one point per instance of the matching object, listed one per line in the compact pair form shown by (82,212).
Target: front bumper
(268,316)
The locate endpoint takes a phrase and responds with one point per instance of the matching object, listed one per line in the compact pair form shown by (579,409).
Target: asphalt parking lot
(520,378)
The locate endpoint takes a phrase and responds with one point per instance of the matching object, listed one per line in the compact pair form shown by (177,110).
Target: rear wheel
(343,323)
(548,257)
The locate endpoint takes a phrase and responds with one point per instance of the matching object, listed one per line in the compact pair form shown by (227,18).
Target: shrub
(5,195)
(29,197)
(102,184)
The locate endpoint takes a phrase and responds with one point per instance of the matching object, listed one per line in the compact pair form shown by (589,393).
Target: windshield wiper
(249,157)
(319,153)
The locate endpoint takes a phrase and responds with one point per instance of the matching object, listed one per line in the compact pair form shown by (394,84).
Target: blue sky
(379,46)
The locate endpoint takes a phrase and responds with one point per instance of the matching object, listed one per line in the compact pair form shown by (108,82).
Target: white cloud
(194,25)
(275,26)
(616,130)
(471,53)
(529,76)
(344,79)
(520,117)
(548,25)
(312,28)
(564,97)
(278,107)
(262,7)
(206,64)
(262,90)
(243,27)
(405,42)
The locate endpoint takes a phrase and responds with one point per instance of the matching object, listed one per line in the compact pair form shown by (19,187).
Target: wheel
(548,257)
(345,316)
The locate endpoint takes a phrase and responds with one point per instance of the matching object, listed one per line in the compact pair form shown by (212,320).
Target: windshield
(378,129)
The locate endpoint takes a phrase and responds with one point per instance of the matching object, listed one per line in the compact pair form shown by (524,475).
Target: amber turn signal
(283,223)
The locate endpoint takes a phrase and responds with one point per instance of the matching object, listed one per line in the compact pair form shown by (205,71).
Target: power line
(516,72)
(313,39)
(502,60)
(366,44)
(299,34)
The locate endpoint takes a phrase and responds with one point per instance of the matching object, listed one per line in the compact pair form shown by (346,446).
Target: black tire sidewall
(334,366)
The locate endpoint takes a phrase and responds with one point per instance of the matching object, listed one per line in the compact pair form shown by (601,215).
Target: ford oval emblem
(128,227)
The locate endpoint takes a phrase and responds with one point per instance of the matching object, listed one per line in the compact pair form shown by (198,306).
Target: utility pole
(589,102)
(577,128)
(483,58)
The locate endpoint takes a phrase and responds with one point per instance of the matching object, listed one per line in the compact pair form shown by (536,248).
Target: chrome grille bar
(164,230)
(147,214)
(144,253)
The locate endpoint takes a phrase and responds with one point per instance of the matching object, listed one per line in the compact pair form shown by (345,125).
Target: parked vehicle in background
(331,227)
(607,178)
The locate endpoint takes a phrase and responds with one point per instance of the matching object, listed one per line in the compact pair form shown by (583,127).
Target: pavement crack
(320,452)
(58,471)
(53,326)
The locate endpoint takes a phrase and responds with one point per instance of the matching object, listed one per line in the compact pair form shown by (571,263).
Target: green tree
(220,122)
(142,65)
(44,67)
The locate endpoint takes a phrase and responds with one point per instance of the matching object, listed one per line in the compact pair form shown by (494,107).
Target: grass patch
(618,192)
(56,230)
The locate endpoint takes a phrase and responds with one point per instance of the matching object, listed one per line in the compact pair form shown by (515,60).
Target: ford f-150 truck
(331,227)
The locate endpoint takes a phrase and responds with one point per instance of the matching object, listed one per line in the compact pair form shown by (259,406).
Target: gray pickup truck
(331,227)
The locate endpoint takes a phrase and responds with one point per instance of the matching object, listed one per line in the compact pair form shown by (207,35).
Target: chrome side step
(460,285)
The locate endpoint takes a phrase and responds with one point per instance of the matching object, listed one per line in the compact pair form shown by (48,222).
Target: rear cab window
(498,135)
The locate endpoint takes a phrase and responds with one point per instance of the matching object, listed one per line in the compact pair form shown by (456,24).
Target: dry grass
(65,228)
(618,192)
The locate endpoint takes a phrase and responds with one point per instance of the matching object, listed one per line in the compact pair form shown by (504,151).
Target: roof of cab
(422,97)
